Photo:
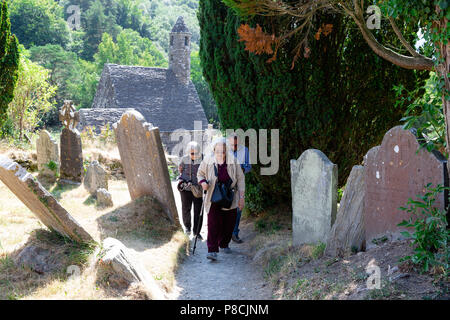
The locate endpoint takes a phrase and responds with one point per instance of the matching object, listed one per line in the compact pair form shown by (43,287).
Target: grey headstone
(47,150)
(71,155)
(96,178)
(347,232)
(314,197)
(144,161)
(104,198)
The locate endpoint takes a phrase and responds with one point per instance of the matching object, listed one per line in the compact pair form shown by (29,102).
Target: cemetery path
(232,277)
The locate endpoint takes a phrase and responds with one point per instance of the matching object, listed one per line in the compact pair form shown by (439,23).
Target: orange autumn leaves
(325,29)
(259,42)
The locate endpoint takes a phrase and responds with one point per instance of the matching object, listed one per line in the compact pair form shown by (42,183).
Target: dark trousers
(187,199)
(220,227)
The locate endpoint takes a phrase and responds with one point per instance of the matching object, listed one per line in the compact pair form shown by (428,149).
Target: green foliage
(340,194)
(65,73)
(430,238)
(430,15)
(129,49)
(96,23)
(9,65)
(39,22)
(204,94)
(318,250)
(33,97)
(339,100)
(425,114)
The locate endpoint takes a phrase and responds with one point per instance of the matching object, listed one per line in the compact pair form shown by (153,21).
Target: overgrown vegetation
(9,64)
(431,237)
(339,100)
(425,114)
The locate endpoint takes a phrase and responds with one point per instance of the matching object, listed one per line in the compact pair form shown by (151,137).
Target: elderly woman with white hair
(188,167)
(221,167)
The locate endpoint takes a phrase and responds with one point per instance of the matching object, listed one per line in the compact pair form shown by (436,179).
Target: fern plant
(430,238)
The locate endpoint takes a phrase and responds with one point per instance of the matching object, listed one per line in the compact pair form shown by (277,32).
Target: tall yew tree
(9,62)
(339,100)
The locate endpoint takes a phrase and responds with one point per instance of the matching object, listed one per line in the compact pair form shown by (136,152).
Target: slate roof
(154,92)
(180,26)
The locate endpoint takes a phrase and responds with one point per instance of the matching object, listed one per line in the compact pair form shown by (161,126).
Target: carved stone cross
(68,115)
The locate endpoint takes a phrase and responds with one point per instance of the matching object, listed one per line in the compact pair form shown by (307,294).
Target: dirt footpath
(233,276)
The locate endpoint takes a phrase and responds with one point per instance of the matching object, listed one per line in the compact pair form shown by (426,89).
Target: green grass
(318,250)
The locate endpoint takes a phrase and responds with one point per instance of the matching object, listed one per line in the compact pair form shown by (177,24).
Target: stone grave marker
(47,152)
(40,201)
(144,161)
(394,172)
(70,144)
(347,233)
(314,197)
(96,178)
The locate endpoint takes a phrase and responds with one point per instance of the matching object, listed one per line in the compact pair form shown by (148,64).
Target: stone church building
(167,98)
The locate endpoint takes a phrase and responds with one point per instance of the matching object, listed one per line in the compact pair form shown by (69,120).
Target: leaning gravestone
(394,172)
(347,233)
(143,161)
(40,201)
(96,178)
(314,197)
(47,152)
(71,152)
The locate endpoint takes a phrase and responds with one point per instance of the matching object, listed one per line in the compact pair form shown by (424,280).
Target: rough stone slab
(104,198)
(47,150)
(96,178)
(38,259)
(40,201)
(118,258)
(144,161)
(348,230)
(393,173)
(314,197)
(71,156)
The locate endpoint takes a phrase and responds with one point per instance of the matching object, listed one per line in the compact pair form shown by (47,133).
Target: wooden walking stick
(200,222)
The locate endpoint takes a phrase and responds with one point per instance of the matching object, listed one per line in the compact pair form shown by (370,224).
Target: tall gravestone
(70,144)
(144,161)
(47,152)
(314,197)
(394,172)
(40,201)
(347,233)
(96,178)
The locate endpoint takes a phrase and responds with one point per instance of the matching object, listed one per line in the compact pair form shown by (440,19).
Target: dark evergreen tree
(339,100)
(9,63)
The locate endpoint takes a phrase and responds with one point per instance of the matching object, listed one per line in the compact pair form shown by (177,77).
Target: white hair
(216,141)
(193,145)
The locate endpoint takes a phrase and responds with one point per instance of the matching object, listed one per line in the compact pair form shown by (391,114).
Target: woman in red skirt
(221,221)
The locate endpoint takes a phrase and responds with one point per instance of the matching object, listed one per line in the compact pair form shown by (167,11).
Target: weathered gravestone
(40,201)
(393,173)
(71,151)
(47,152)
(314,197)
(143,161)
(96,178)
(104,198)
(347,233)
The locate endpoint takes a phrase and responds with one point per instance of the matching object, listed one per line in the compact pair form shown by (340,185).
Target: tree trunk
(20,128)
